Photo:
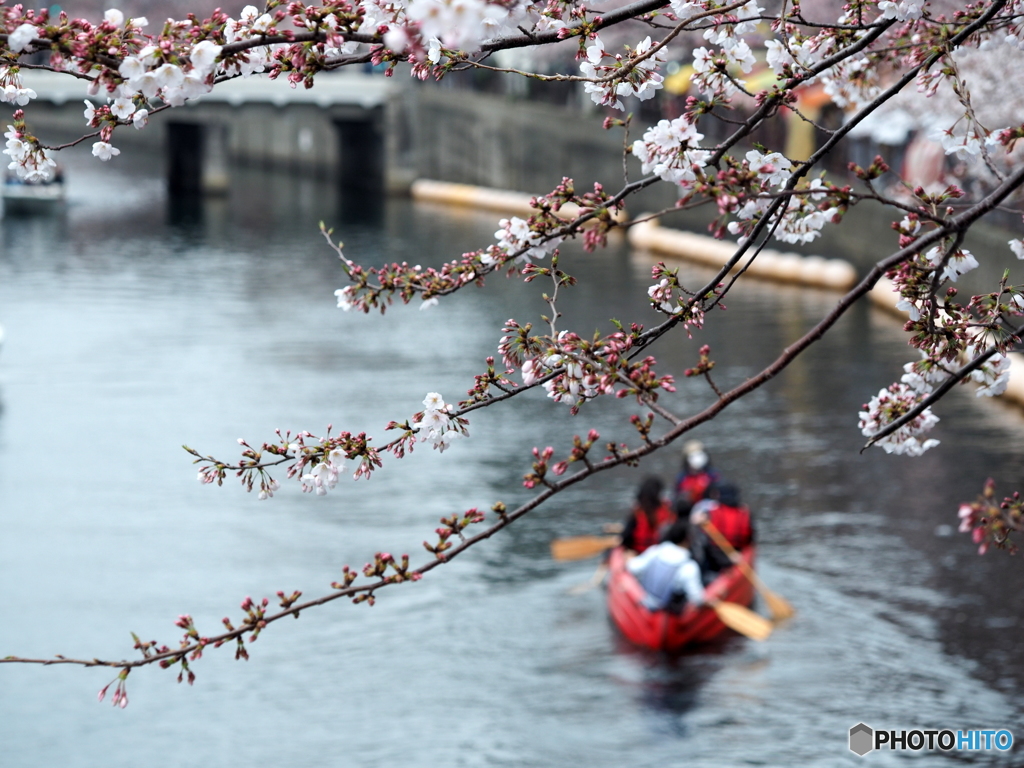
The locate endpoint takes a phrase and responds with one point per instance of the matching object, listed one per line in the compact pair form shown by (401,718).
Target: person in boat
(723,510)
(696,475)
(650,519)
(667,571)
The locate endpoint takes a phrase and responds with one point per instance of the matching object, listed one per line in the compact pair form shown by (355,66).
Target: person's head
(727,494)
(682,508)
(695,458)
(679,533)
(649,496)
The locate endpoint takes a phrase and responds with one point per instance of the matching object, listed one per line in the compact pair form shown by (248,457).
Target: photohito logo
(864,739)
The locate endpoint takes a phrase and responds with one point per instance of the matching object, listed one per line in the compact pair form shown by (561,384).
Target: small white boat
(39,197)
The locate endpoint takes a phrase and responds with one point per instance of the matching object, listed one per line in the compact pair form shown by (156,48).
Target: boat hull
(663,630)
(32,198)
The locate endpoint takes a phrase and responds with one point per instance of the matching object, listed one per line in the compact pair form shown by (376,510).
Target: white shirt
(666,570)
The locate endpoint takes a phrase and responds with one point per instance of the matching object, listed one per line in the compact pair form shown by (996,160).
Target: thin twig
(936,394)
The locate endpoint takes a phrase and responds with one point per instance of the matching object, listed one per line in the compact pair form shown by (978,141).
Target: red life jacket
(644,535)
(694,487)
(734,523)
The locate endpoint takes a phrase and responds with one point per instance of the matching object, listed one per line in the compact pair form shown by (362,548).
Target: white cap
(692,446)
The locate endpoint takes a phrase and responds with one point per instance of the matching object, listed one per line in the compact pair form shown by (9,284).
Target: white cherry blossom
(888,405)
(20,38)
(204,56)
(104,151)
(965,147)
(959,263)
(772,166)
(345,296)
(122,108)
(901,11)
(993,376)
(16,95)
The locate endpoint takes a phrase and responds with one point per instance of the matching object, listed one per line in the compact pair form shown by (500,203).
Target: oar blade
(743,620)
(597,578)
(582,547)
(779,607)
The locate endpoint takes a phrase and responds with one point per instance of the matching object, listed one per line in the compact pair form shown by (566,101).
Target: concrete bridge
(350,126)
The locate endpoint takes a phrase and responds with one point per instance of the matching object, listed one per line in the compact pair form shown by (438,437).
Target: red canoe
(665,631)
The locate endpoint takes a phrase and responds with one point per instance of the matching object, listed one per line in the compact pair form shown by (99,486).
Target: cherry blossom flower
(902,11)
(887,406)
(684,10)
(122,108)
(15,95)
(772,166)
(20,38)
(965,147)
(642,80)
(959,263)
(993,376)
(204,55)
(924,375)
(669,151)
(436,425)
(324,476)
(663,297)
(515,234)
(104,151)
(851,83)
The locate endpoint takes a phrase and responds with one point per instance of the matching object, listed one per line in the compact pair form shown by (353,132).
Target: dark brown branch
(630,11)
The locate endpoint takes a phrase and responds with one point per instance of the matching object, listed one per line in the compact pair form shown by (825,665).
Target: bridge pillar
(215,159)
(197,156)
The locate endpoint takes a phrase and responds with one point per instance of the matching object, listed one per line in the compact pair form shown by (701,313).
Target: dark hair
(649,497)
(682,508)
(679,532)
(729,495)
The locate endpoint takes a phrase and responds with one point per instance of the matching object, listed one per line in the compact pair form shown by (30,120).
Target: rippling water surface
(134,326)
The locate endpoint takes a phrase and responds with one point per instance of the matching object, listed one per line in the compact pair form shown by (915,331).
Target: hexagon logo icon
(861,739)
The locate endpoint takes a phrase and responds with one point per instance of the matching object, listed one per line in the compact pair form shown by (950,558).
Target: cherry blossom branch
(638,8)
(629,65)
(937,394)
(774,100)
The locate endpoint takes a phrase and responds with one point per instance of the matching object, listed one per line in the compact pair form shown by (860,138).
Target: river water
(134,326)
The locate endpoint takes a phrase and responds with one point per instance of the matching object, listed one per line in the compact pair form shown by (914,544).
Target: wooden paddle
(593,581)
(582,547)
(742,620)
(779,607)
